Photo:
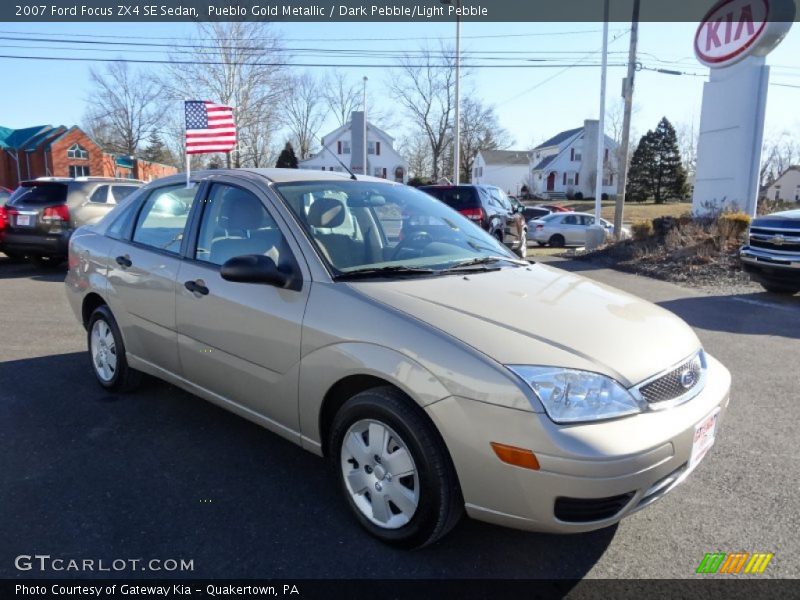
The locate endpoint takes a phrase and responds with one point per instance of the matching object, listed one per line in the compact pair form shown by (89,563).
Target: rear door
(142,273)
(574,232)
(89,205)
(241,341)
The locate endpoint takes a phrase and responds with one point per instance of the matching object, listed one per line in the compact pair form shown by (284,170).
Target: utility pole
(457,136)
(627,94)
(365,126)
(601,137)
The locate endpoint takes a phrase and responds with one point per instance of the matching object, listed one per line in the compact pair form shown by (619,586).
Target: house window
(345,146)
(572,153)
(564,179)
(374,148)
(578,155)
(577,177)
(605,155)
(78,170)
(77,151)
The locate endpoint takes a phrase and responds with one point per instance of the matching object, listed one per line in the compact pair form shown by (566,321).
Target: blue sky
(532,104)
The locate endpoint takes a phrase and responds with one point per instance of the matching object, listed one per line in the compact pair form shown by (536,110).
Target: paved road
(163,474)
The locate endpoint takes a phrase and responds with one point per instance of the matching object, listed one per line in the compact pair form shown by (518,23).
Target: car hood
(546,316)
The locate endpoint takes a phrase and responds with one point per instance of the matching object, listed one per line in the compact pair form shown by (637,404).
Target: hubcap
(103,350)
(380,474)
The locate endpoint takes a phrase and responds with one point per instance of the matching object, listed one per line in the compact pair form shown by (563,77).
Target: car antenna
(352,175)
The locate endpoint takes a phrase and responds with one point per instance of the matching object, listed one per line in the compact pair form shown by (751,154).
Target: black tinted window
(122,191)
(99,195)
(456,198)
(40,193)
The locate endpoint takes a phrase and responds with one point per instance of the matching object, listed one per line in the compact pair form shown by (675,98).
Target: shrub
(604,196)
(642,230)
(578,195)
(732,225)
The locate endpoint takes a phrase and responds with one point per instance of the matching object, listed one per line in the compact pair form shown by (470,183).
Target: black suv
(489,207)
(772,254)
(43,213)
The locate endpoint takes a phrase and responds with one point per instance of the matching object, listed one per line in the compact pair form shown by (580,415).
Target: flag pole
(185,145)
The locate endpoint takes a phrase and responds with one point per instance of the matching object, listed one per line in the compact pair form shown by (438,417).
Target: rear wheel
(557,241)
(780,288)
(107,352)
(46,261)
(522,251)
(394,469)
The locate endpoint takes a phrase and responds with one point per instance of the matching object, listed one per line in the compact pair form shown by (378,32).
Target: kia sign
(735,29)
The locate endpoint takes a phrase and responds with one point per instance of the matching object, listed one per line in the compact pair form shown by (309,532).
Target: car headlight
(572,396)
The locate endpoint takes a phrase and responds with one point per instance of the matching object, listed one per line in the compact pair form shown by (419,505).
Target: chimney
(589,157)
(357,141)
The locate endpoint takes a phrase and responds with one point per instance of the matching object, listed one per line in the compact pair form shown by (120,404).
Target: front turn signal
(519,457)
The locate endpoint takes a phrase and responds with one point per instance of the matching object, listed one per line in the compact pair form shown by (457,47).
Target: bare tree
(303,112)
(122,108)
(243,70)
(687,144)
(480,130)
(613,125)
(425,87)
(779,152)
(417,151)
(256,144)
(342,96)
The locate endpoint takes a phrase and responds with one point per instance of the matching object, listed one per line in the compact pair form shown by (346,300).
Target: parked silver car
(372,324)
(567,229)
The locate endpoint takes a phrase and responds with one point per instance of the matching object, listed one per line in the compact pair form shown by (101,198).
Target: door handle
(196,287)
(124,261)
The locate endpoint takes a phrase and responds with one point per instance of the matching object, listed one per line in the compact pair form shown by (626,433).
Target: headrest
(326,212)
(243,211)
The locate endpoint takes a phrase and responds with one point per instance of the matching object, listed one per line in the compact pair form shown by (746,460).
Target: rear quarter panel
(88,267)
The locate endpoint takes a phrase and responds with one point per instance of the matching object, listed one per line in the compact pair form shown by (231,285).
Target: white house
(566,164)
(506,169)
(787,186)
(347,145)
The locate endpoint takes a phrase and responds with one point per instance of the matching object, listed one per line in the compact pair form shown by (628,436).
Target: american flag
(209,127)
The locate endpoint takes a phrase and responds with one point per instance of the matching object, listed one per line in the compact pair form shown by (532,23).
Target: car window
(163,217)
(39,193)
(119,192)
(99,195)
(236,223)
(587,220)
(570,220)
(501,198)
(456,198)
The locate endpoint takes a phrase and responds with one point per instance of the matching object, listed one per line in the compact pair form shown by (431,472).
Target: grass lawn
(633,211)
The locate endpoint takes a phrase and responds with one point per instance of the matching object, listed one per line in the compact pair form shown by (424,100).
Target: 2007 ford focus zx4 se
(375,326)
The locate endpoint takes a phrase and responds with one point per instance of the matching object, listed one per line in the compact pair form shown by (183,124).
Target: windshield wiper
(482,261)
(383,272)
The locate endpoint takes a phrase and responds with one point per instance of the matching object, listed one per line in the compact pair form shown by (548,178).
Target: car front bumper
(51,244)
(763,264)
(625,464)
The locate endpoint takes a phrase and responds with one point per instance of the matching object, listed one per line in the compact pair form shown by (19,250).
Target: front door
(551,182)
(240,341)
(142,273)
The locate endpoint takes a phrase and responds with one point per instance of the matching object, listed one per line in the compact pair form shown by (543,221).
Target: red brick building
(46,151)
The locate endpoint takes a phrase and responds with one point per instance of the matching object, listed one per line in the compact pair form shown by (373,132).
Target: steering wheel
(418,240)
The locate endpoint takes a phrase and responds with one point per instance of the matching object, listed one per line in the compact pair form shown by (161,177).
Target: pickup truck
(772,254)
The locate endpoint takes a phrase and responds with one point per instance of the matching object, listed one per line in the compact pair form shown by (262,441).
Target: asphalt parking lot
(163,474)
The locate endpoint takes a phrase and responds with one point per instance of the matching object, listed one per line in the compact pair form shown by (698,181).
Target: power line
(289,64)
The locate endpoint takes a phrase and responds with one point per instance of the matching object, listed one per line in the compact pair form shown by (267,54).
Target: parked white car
(566,229)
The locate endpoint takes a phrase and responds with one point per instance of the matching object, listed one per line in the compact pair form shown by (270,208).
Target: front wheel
(107,352)
(557,241)
(394,469)
(780,288)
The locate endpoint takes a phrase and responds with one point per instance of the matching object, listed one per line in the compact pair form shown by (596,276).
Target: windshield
(360,226)
(39,193)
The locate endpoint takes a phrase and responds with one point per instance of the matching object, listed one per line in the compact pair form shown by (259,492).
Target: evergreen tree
(656,170)
(156,151)
(287,158)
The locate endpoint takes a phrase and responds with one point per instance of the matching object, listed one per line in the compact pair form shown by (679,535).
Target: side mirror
(255,268)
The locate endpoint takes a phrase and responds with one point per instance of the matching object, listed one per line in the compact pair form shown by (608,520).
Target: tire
(780,288)
(46,262)
(428,496)
(557,241)
(540,244)
(522,251)
(107,353)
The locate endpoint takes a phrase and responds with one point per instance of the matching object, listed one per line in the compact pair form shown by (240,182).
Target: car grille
(676,383)
(780,240)
(583,510)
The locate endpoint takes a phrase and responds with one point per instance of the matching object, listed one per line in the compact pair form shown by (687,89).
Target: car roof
(276,175)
